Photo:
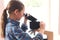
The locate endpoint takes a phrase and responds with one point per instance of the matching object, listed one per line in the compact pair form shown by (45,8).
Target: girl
(10,25)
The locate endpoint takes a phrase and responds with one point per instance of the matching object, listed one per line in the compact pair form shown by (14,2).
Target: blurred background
(43,10)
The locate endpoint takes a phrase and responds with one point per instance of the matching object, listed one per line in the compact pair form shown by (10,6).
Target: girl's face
(19,14)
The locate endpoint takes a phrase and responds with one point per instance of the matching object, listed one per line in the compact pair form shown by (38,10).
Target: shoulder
(9,27)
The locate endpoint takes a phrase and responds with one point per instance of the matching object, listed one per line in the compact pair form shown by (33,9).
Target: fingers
(42,25)
(25,20)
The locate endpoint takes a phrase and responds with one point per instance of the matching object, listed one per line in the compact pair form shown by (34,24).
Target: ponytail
(4,21)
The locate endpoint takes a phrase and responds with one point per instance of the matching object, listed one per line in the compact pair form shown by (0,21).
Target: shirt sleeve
(18,34)
(24,27)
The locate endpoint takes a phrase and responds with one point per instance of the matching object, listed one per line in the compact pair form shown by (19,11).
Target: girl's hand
(25,20)
(42,27)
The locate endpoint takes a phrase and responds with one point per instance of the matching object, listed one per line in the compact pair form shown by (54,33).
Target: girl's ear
(16,12)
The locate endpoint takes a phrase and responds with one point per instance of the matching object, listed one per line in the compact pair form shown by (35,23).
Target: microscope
(33,21)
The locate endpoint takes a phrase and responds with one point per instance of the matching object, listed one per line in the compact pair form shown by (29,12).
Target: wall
(54,19)
(59,18)
(1,9)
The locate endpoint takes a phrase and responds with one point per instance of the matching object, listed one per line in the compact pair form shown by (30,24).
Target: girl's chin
(18,20)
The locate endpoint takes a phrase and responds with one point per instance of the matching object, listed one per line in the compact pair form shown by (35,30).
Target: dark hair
(12,6)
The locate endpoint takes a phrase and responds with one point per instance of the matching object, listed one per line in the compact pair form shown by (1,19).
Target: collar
(13,21)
